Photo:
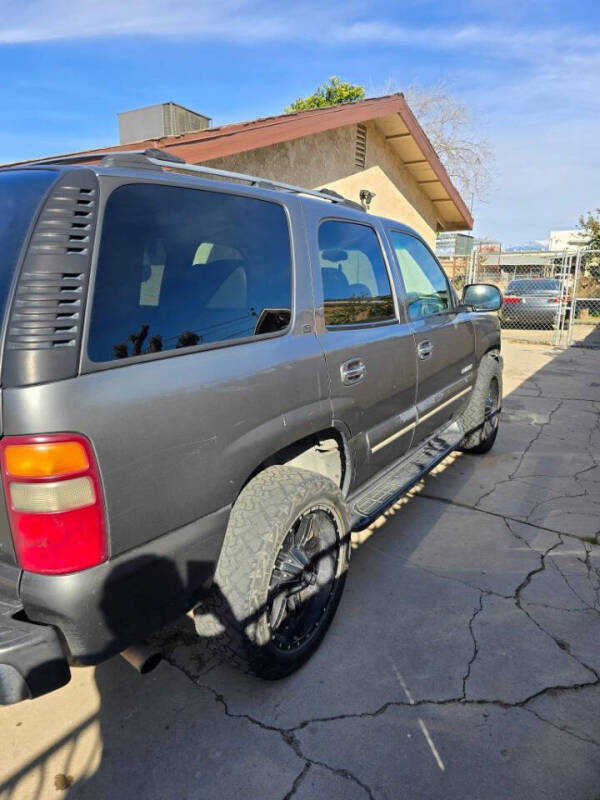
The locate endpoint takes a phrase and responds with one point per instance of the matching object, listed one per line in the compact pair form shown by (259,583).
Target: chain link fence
(550,297)
(536,287)
(584,319)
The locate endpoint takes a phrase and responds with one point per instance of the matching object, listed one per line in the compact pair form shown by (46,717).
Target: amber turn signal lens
(45,460)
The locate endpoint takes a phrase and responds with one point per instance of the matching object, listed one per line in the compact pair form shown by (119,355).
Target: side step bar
(389,486)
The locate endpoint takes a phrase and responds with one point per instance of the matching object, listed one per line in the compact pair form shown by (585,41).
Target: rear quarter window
(183,267)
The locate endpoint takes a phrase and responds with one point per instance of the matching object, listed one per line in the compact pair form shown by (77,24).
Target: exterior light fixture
(366,197)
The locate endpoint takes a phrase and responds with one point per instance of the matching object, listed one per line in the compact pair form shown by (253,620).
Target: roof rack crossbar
(253,180)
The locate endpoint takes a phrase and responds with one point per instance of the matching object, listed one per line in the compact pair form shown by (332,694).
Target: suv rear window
(21,192)
(533,286)
(183,267)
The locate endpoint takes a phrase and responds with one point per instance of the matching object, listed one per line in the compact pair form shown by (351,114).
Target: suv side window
(356,286)
(183,267)
(426,286)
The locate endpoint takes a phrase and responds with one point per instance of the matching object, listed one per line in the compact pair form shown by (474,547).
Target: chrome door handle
(424,350)
(353,371)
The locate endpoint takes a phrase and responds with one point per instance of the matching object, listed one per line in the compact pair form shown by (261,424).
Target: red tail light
(54,502)
(553,300)
(510,299)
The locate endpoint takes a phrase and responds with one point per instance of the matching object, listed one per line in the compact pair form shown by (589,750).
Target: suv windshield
(20,194)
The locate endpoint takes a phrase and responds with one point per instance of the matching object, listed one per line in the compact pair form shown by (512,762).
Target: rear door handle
(353,371)
(424,350)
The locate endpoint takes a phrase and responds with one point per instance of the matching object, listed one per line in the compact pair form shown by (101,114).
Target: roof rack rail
(78,158)
(265,183)
(160,158)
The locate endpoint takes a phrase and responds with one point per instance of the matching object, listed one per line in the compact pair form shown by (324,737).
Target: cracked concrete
(487,752)
(516,659)
(464,661)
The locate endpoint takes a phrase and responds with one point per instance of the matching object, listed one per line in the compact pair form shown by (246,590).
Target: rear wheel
(280,575)
(482,416)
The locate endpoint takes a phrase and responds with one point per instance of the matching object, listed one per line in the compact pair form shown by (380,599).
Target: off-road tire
(476,440)
(233,618)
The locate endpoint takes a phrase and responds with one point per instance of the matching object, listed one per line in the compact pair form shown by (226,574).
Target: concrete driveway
(464,661)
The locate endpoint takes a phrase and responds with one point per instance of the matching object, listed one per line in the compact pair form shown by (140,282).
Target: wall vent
(360,153)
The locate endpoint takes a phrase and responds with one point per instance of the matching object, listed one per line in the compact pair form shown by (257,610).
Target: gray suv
(206,386)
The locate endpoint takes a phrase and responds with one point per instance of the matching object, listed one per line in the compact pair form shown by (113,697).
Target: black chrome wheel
(303,579)
(281,573)
(491,412)
(481,418)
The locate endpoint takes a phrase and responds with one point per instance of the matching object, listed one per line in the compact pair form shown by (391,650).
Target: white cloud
(535,89)
(242,20)
(48,20)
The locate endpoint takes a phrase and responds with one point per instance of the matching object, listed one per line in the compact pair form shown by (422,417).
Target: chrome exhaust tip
(142,657)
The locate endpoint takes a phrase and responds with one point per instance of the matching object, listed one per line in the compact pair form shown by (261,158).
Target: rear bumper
(48,622)
(32,660)
(103,610)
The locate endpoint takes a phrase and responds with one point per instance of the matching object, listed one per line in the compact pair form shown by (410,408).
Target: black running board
(388,487)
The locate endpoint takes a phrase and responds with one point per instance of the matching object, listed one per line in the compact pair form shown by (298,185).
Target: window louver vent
(47,307)
(360,152)
(65,225)
(46,310)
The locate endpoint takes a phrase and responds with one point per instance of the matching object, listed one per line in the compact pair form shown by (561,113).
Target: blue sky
(529,70)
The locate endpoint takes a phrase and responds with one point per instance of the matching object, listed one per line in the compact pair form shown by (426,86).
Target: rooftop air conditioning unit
(155,122)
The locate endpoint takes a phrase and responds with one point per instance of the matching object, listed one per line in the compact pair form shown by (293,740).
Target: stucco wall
(327,159)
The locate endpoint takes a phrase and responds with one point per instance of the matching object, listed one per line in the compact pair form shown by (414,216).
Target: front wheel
(482,416)
(280,575)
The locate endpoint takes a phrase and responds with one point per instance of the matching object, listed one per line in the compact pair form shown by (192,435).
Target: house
(568,240)
(375,145)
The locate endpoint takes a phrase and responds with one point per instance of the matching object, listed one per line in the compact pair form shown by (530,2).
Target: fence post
(562,272)
(574,296)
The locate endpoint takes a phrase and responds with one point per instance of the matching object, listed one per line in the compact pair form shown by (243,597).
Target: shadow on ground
(463,662)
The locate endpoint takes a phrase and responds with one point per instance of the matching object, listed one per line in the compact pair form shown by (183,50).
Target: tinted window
(356,287)
(183,267)
(532,286)
(21,192)
(426,285)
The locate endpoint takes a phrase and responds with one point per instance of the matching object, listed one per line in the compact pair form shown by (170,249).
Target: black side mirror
(482,297)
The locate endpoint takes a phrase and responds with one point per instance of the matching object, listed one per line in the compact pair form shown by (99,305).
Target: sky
(529,71)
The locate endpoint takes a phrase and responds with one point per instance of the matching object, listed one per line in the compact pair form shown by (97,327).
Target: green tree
(590,226)
(329,94)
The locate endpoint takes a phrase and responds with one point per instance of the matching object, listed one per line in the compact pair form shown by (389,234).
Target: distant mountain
(528,246)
